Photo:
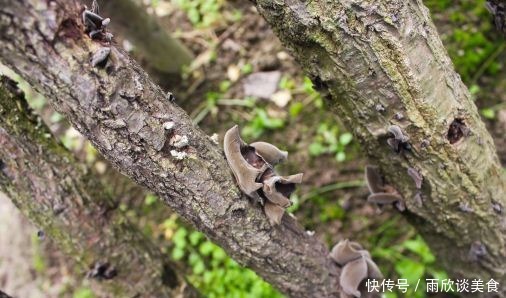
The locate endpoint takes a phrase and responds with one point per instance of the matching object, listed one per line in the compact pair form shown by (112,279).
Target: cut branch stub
(253,168)
(357,265)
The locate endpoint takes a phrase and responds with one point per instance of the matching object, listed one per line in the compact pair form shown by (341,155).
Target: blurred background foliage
(236,56)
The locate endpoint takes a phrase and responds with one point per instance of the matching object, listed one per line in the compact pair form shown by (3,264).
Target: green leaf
(488,113)
(177,253)
(340,156)
(219,254)
(179,238)
(206,248)
(474,89)
(419,247)
(296,109)
(247,68)
(83,293)
(195,237)
(316,149)
(345,138)
(410,270)
(150,199)
(199,267)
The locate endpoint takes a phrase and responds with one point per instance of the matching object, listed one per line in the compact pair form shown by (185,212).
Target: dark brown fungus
(345,251)
(379,107)
(399,141)
(397,133)
(477,251)
(102,270)
(94,24)
(352,275)
(41,235)
(245,174)
(425,144)
(398,116)
(277,189)
(273,212)
(382,194)
(99,58)
(464,207)
(385,198)
(58,208)
(253,168)
(457,131)
(394,144)
(356,264)
(416,176)
(373,179)
(497,207)
(269,152)
(419,199)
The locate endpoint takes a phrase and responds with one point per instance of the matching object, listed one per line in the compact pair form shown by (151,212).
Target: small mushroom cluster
(399,141)
(253,168)
(94,24)
(381,193)
(356,264)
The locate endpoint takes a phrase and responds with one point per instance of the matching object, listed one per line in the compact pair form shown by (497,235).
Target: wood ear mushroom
(269,152)
(253,169)
(356,264)
(399,141)
(245,174)
(382,194)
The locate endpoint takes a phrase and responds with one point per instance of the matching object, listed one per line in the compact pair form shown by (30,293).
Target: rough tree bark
(123,113)
(381,63)
(47,184)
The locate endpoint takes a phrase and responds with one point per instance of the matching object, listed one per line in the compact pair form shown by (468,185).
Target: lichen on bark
(55,58)
(388,53)
(71,206)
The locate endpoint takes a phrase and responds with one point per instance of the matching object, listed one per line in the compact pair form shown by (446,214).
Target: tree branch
(162,52)
(381,63)
(123,114)
(46,184)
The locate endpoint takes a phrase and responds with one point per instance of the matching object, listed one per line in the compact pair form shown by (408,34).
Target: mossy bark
(123,114)
(381,63)
(45,182)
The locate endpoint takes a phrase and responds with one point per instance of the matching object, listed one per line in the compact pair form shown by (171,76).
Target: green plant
(83,292)
(471,45)
(201,13)
(412,260)
(215,99)
(328,140)
(260,123)
(212,271)
(39,263)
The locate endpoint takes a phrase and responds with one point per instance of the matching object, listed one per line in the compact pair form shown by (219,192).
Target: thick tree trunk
(381,63)
(124,114)
(47,184)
